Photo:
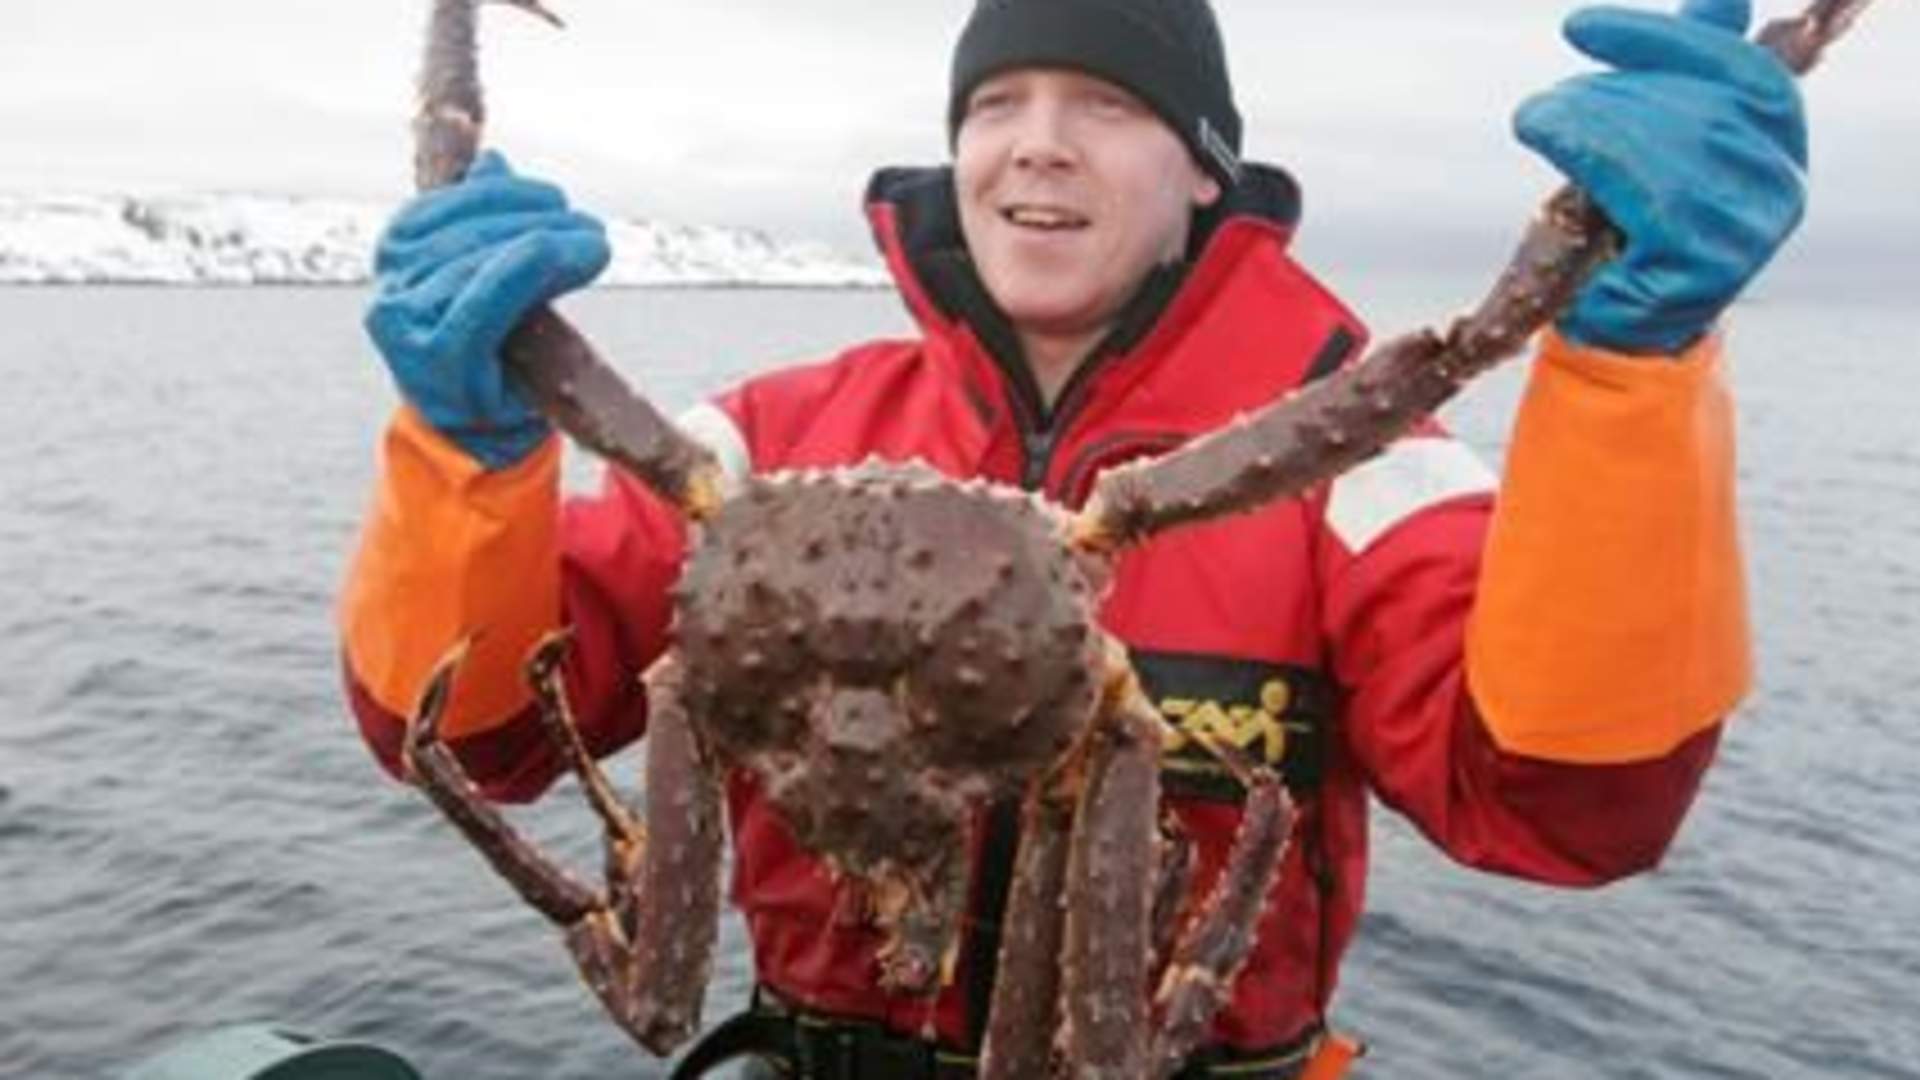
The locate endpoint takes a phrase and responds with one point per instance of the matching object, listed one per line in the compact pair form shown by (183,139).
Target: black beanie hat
(1167,52)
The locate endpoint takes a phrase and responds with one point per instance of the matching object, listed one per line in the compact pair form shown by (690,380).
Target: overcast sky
(1394,113)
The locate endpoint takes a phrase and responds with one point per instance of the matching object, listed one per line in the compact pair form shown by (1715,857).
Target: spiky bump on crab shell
(886,650)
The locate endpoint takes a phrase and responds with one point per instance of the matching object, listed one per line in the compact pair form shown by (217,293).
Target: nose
(1043,141)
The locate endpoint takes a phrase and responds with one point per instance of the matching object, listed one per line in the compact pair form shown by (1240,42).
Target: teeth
(1043,218)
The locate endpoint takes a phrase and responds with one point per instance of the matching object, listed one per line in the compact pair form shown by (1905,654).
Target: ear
(1205,190)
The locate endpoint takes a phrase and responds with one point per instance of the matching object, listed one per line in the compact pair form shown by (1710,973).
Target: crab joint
(1091,530)
(706,491)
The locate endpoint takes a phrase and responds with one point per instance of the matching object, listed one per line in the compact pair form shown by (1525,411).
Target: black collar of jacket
(927,222)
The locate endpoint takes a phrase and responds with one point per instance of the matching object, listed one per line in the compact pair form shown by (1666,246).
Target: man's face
(1070,189)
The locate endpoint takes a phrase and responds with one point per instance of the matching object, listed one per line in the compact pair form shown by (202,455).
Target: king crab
(886,651)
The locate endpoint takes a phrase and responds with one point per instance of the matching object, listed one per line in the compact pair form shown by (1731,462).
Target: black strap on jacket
(750,1034)
(809,1046)
(1287,1062)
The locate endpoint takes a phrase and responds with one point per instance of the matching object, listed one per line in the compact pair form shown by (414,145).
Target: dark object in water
(266,1052)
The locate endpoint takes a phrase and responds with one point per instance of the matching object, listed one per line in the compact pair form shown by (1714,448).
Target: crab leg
(451,108)
(647,955)
(1799,41)
(595,933)
(1198,983)
(433,768)
(1111,871)
(562,374)
(1026,989)
(1170,893)
(1349,417)
(677,905)
(647,952)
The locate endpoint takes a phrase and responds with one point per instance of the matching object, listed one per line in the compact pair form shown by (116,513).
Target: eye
(990,101)
(1111,103)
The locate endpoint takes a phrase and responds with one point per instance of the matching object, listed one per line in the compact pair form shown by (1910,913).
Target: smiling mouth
(1044,218)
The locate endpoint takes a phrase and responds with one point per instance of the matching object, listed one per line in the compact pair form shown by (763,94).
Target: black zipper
(1041,428)
(1038,447)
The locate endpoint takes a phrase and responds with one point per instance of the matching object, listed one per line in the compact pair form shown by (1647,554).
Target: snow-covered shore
(243,239)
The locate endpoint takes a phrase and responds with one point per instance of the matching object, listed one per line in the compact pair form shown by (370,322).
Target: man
(1537,684)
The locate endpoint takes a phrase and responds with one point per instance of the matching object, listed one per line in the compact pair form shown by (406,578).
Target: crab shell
(887,651)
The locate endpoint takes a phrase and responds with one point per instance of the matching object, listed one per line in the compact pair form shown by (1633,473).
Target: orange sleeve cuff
(449,551)
(1610,624)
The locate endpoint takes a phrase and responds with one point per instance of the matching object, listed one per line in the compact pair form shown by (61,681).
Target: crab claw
(626,834)
(544,660)
(534,7)
(423,727)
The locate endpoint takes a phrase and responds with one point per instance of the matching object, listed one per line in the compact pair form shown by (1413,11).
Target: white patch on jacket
(710,426)
(1412,475)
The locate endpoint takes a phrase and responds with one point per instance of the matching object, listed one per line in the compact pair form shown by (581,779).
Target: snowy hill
(267,239)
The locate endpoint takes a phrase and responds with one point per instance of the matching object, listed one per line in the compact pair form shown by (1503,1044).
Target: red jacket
(1330,632)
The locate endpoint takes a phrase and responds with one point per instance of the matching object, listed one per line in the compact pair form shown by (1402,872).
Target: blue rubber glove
(455,271)
(1695,147)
